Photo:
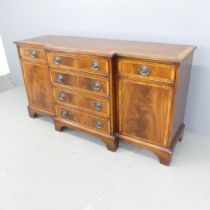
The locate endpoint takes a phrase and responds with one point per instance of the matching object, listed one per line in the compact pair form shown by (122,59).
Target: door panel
(37,81)
(144,111)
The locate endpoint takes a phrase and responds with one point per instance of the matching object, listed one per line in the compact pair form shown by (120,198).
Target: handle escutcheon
(96,85)
(33,54)
(57,60)
(64,113)
(95,65)
(98,106)
(144,70)
(99,124)
(60,78)
(62,96)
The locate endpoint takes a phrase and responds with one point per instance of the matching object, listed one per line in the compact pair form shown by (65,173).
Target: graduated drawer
(83,82)
(32,54)
(83,102)
(83,119)
(91,64)
(147,70)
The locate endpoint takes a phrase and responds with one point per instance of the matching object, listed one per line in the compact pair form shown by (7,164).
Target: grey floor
(41,169)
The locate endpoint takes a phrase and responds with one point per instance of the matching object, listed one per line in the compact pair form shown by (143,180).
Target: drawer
(82,102)
(147,70)
(83,119)
(32,54)
(71,80)
(91,64)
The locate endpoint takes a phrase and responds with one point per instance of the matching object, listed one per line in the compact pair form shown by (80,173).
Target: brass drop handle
(64,114)
(96,85)
(99,124)
(62,96)
(144,70)
(57,60)
(95,66)
(33,54)
(60,78)
(98,106)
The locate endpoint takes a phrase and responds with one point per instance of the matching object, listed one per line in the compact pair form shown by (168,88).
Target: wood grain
(181,92)
(25,54)
(84,82)
(82,118)
(79,62)
(37,81)
(107,47)
(144,110)
(111,141)
(82,102)
(158,71)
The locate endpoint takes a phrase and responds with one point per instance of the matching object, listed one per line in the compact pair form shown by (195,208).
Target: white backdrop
(177,21)
(4,69)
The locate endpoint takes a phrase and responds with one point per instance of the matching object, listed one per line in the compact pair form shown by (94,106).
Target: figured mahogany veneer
(31,53)
(117,90)
(37,81)
(97,106)
(158,71)
(74,80)
(80,62)
(74,116)
(144,114)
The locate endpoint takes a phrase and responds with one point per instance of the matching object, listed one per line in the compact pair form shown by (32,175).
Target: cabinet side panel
(112,87)
(181,91)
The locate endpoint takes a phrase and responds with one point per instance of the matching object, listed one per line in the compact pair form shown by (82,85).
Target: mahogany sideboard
(117,90)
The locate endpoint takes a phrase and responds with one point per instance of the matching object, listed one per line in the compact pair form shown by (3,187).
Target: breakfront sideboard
(117,90)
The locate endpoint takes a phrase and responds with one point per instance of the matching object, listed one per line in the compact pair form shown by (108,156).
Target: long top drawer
(91,64)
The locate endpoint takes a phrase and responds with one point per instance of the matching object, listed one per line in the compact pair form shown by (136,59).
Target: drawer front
(83,102)
(147,70)
(32,54)
(83,119)
(90,64)
(94,85)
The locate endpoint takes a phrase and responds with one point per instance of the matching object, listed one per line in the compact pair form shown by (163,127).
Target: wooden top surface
(107,47)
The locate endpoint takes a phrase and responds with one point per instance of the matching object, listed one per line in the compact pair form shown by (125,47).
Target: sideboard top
(107,47)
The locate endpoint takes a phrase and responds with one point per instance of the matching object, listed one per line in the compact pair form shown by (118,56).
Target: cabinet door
(144,111)
(37,81)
